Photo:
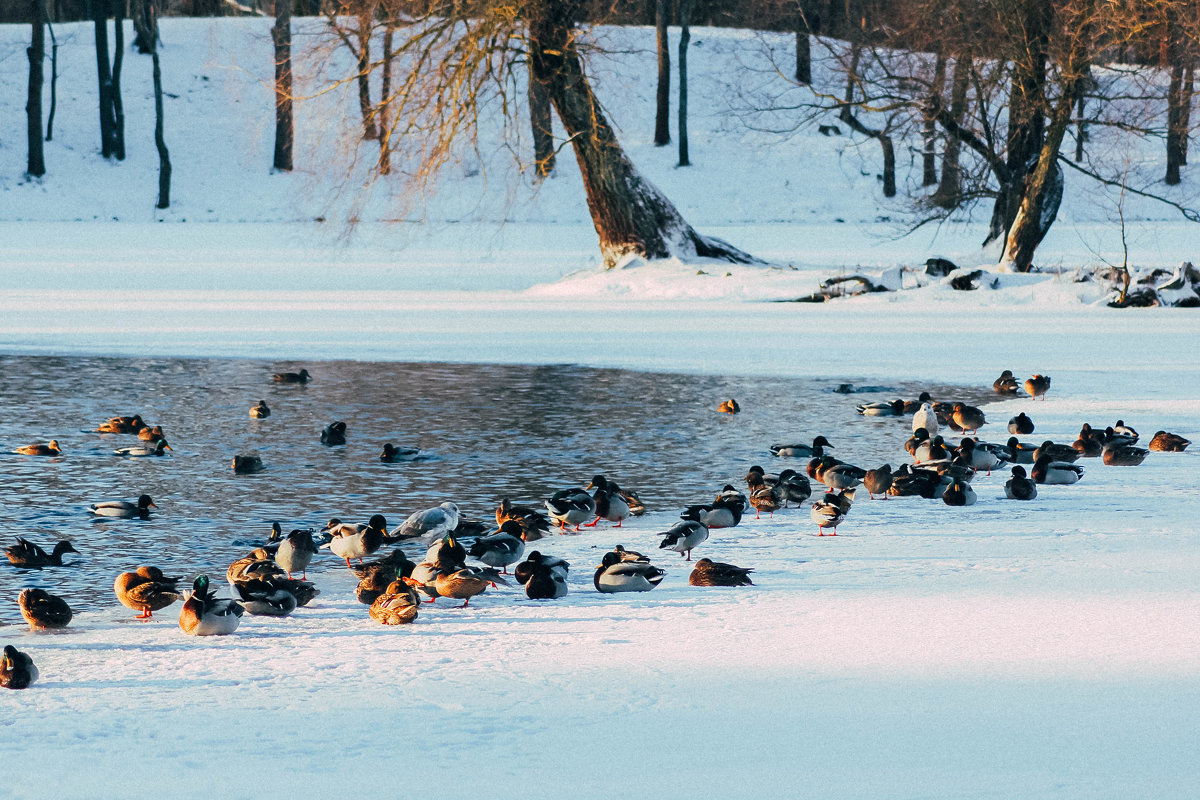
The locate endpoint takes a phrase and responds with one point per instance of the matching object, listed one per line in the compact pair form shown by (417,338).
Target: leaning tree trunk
(541,121)
(631,216)
(281,35)
(104,77)
(150,18)
(36,52)
(685,37)
(385,92)
(118,109)
(662,122)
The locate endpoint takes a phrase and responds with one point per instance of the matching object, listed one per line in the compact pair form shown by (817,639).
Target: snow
(1000,651)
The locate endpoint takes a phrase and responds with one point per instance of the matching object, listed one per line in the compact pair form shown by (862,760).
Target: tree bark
(363,51)
(118,109)
(103,76)
(685,37)
(36,52)
(149,18)
(281,35)
(1080,126)
(385,91)
(949,191)
(542,123)
(803,45)
(929,172)
(631,216)
(53,82)
(662,121)
(1176,119)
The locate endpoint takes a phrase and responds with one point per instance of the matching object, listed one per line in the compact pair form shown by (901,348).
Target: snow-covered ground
(1041,650)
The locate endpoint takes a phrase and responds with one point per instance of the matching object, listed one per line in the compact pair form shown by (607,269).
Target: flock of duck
(264,582)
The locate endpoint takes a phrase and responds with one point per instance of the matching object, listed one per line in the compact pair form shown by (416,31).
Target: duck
(17,670)
(42,610)
(398,604)
(376,576)
(878,481)
(617,574)
(525,569)
(925,418)
(1020,486)
(424,579)
(716,573)
(817,448)
(296,552)
(1123,455)
(1006,383)
(1021,452)
(356,541)
(125,509)
(931,450)
(968,419)
(260,411)
(915,482)
(1020,425)
(1055,472)
(502,548)
(570,507)
(246,465)
(1056,452)
(461,584)
(51,449)
(979,455)
(391,454)
(292,377)
(546,583)
(27,554)
(158,448)
(131,424)
(729,406)
(959,493)
(764,497)
(881,409)
(264,598)
(151,434)
(683,536)
(274,540)
(204,615)
(534,524)
(840,477)
(430,524)
(334,433)
(830,510)
(146,590)
(1121,429)
(722,513)
(1090,444)
(1164,442)
(1037,386)
(610,505)
(920,436)
(447,553)
(257,565)
(913,406)
(794,487)
(757,473)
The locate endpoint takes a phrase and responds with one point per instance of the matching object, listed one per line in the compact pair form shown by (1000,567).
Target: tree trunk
(363,51)
(847,116)
(631,216)
(662,122)
(542,123)
(1080,126)
(145,31)
(929,172)
(103,76)
(949,191)
(1173,45)
(118,112)
(803,45)
(281,35)
(685,37)
(53,83)
(36,52)
(164,157)
(1189,91)
(385,92)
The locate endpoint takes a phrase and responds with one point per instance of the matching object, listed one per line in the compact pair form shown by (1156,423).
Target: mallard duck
(257,564)
(1055,472)
(968,419)
(830,510)
(920,436)
(146,590)
(1123,455)
(16,669)
(918,482)
(27,554)
(375,576)
(151,434)
(392,454)
(431,523)
(683,536)
(1021,452)
(615,574)
(763,497)
(122,424)
(264,598)
(628,555)
(534,524)
(158,448)
(610,505)
(913,406)
(356,541)
(1121,429)
(398,604)
(1006,383)
(1037,386)
(42,610)
(124,509)
(1056,452)
(926,418)
(881,409)
(979,455)
(715,573)
(959,493)
(841,476)
(246,465)
(1164,442)
(1089,444)
(292,377)
(793,486)
(535,559)
(204,615)
(260,411)
(461,584)
(424,579)
(570,507)
(931,450)
(502,548)
(878,481)
(334,433)
(1021,424)
(296,552)
(817,448)
(447,553)
(729,406)
(725,512)
(51,449)
(546,583)
(1020,486)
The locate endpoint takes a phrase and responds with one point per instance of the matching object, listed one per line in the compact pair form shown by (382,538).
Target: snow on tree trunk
(1043,195)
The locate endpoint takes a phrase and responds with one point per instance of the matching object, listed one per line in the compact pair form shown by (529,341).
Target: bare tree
(281,36)
(36,52)
(149,16)
(108,120)
(541,120)
(662,123)
(352,21)
(53,82)
(685,37)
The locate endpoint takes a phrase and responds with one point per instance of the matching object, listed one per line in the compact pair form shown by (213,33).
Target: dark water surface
(492,431)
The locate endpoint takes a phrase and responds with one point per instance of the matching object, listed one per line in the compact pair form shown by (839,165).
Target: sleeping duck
(16,669)
(546,583)
(1020,486)
(151,434)
(1168,442)
(462,585)
(42,610)
(1056,472)
(204,615)
(715,573)
(396,605)
(263,598)
(615,575)
(146,590)
(1006,383)
(831,510)
(260,411)
(523,571)
(295,553)
(334,433)
(1037,386)
(1021,424)
(1123,455)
